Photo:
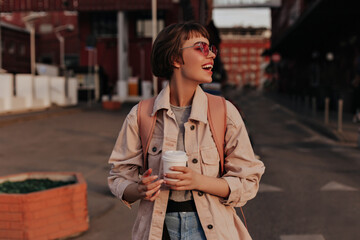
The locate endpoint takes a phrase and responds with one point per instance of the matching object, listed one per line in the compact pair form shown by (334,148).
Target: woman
(200,204)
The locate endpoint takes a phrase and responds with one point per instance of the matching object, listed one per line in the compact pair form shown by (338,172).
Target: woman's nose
(211,54)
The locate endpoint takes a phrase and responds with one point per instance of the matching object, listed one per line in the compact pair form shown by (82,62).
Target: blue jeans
(184,226)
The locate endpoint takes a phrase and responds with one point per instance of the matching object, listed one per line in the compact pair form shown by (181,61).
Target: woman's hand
(188,179)
(191,180)
(148,188)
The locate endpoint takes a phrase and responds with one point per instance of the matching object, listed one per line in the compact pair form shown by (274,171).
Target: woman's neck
(181,93)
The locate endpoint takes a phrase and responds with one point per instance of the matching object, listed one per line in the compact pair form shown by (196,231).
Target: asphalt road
(310,190)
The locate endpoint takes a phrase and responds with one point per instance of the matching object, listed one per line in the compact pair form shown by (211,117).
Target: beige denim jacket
(243,172)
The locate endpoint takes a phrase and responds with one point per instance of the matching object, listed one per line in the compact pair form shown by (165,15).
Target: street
(310,189)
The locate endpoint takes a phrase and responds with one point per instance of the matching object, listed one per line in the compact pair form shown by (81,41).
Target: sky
(256,17)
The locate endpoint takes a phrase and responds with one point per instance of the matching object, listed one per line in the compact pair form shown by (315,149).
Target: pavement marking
(269,188)
(302,237)
(335,186)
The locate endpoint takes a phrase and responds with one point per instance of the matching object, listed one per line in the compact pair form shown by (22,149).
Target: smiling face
(195,67)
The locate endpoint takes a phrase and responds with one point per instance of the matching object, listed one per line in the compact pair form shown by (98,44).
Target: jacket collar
(198,108)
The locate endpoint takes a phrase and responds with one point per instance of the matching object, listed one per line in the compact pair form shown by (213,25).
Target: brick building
(241,50)
(120,31)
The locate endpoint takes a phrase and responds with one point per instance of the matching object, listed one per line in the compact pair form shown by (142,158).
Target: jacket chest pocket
(210,159)
(154,154)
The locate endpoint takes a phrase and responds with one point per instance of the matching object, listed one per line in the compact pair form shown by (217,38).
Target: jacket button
(192,127)
(210,226)
(200,193)
(154,149)
(195,160)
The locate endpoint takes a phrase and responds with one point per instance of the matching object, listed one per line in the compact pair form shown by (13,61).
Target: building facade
(241,50)
(15,50)
(114,35)
(319,44)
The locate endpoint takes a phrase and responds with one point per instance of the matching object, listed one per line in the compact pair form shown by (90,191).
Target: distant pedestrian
(200,205)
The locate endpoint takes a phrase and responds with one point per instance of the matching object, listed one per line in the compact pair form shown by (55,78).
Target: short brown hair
(166,48)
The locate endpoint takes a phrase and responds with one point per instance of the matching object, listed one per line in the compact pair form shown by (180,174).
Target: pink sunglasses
(204,48)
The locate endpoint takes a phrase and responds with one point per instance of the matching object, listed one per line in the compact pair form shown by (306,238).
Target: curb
(37,116)
(312,123)
(319,128)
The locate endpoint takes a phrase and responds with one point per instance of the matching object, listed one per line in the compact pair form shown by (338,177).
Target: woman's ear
(176,62)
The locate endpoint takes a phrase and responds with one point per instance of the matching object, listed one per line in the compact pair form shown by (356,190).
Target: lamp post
(0,45)
(154,33)
(57,30)
(29,23)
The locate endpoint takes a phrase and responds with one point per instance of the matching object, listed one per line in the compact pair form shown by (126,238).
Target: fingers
(147,180)
(148,189)
(154,196)
(147,172)
(179,176)
(179,185)
(151,193)
(180,169)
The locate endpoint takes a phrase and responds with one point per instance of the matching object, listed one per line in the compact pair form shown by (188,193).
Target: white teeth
(208,66)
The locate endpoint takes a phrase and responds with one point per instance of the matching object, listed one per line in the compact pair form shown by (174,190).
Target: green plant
(31,185)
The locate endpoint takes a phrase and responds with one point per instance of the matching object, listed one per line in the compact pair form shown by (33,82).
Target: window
(252,75)
(253,50)
(224,50)
(234,59)
(22,49)
(12,48)
(253,59)
(104,24)
(144,27)
(244,50)
(71,60)
(70,13)
(234,50)
(45,28)
(2,46)
(243,58)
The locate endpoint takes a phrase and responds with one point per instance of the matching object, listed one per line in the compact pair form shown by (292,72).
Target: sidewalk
(71,139)
(350,130)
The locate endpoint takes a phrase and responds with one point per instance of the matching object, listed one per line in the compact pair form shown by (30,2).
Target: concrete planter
(50,214)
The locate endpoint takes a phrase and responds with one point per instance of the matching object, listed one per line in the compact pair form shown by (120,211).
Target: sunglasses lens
(213,49)
(204,48)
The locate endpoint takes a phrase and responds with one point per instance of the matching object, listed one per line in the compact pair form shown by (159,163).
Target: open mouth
(207,67)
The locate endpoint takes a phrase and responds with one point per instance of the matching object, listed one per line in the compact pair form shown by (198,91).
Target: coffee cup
(171,159)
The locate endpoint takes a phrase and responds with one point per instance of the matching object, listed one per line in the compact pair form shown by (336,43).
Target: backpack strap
(146,124)
(217,121)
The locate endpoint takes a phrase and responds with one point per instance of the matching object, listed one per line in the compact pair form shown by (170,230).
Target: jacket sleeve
(126,157)
(242,170)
